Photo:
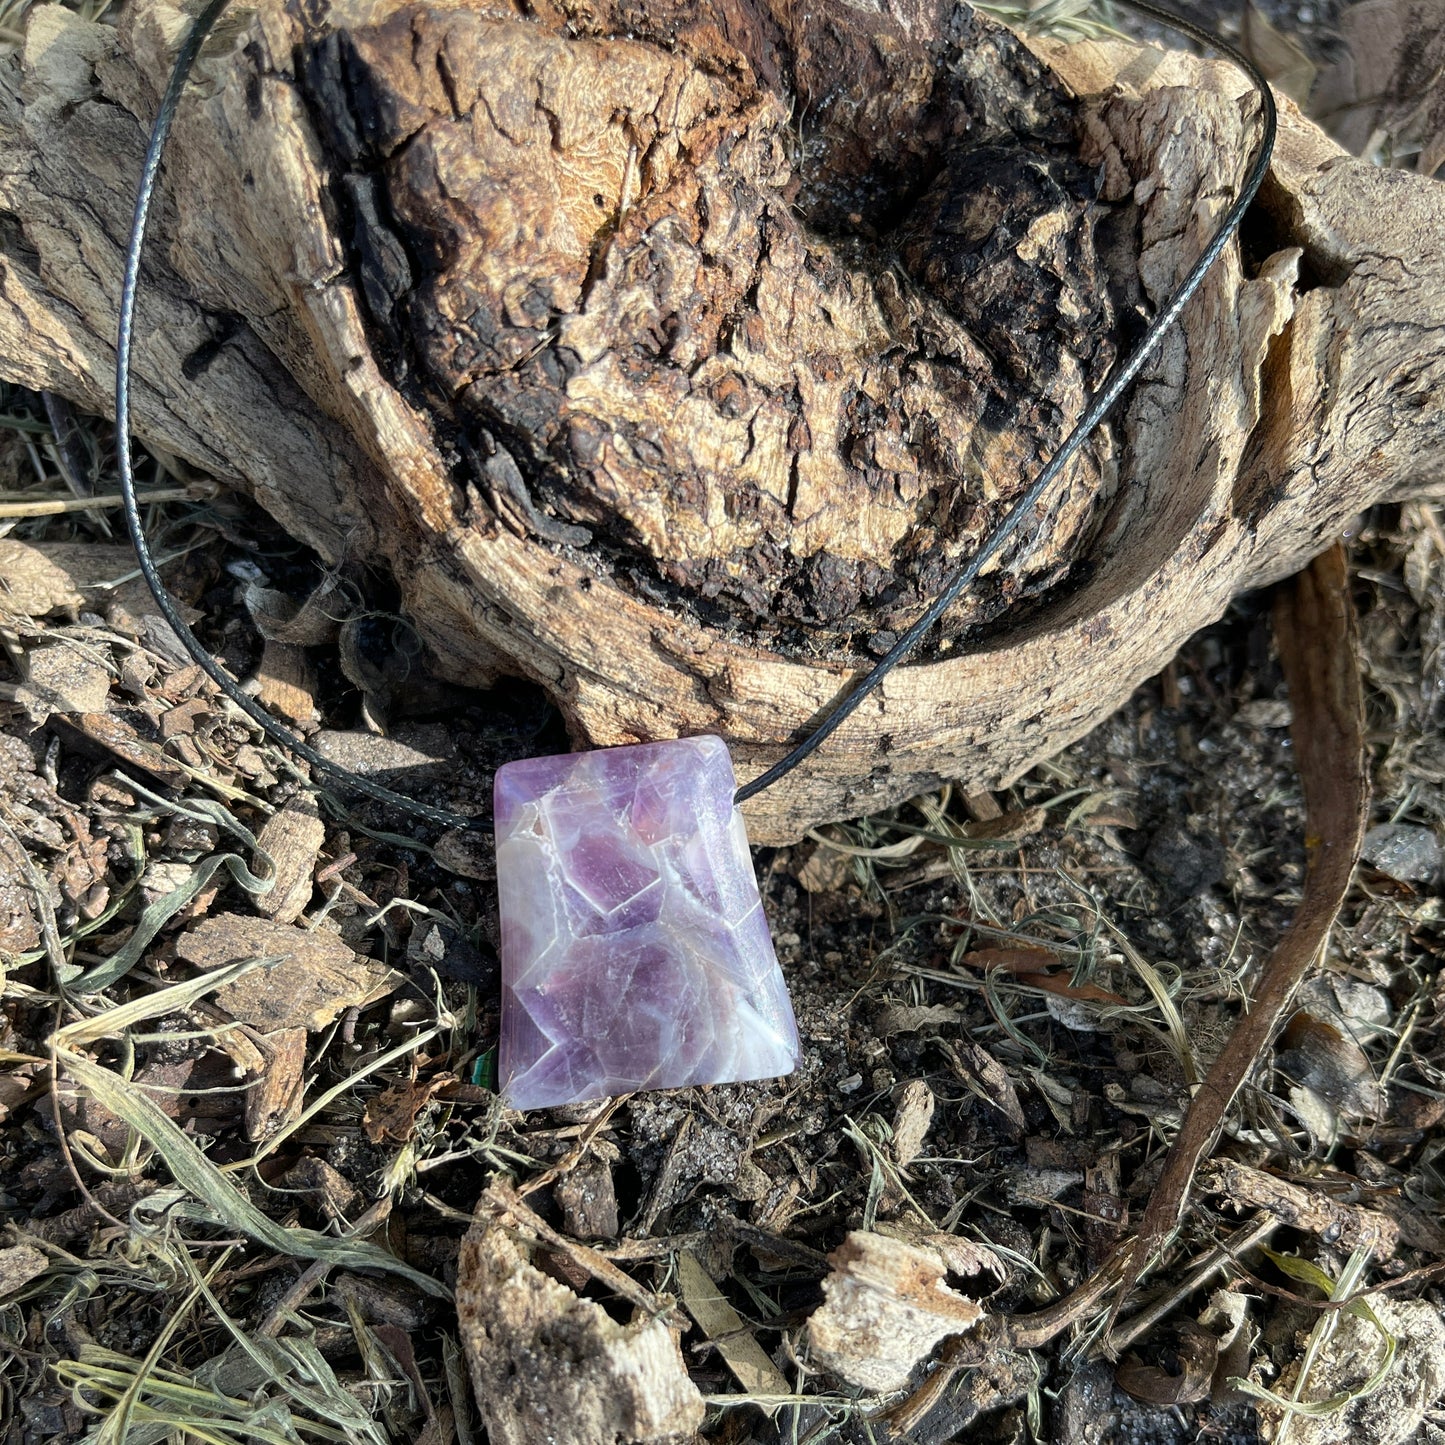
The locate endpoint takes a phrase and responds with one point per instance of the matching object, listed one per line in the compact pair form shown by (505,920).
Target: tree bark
(673,356)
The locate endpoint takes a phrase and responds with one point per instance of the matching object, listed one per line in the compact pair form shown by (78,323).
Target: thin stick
(1252,1234)
(53,506)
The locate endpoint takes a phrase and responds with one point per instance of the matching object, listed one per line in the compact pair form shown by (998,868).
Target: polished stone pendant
(635,952)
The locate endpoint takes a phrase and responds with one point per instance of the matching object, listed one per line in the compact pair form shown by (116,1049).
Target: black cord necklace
(1098,409)
(635,951)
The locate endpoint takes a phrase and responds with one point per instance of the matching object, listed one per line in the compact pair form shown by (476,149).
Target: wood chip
(286,681)
(275,1097)
(38,578)
(318,976)
(986,1078)
(326,1187)
(906,1019)
(469,853)
(588,1200)
(960,1256)
(722,1324)
(292,838)
(825,869)
(886,1306)
(116,736)
(19,1264)
(549,1365)
(912,1115)
(420,752)
(60,678)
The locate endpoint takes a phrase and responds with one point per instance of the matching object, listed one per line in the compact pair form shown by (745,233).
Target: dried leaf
(310,623)
(1012,958)
(37,578)
(1064,987)
(825,870)
(1285,63)
(1314,1052)
(1194,1355)
(1009,827)
(391,1115)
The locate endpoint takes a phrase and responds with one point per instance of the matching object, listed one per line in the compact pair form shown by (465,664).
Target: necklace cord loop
(1103,402)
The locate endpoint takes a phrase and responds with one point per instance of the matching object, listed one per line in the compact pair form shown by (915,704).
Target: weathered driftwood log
(671,354)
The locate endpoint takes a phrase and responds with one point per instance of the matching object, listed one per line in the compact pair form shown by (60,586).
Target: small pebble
(1403,852)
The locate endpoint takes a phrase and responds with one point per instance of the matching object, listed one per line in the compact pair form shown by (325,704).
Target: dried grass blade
(721,1323)
(198,1176)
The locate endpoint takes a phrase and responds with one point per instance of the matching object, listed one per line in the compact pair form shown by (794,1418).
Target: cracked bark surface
(671,355)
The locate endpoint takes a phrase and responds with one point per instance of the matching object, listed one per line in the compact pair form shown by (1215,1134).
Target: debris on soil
(313,978)
(549,1365)
(1394,1412)
(291,839)
(885,1307)
(1010,1005)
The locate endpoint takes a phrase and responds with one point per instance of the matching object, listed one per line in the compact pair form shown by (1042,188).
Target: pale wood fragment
(886,1306)
(912,1115)
(278,1087)
(39,578)
(286,682)
(549,1365)
(291,838)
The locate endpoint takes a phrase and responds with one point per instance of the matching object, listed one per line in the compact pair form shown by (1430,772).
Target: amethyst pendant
(635,953)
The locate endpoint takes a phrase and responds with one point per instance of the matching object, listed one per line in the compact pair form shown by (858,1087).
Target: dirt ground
(1005,1001)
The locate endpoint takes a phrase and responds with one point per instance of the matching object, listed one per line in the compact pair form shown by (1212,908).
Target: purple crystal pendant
(635,953)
